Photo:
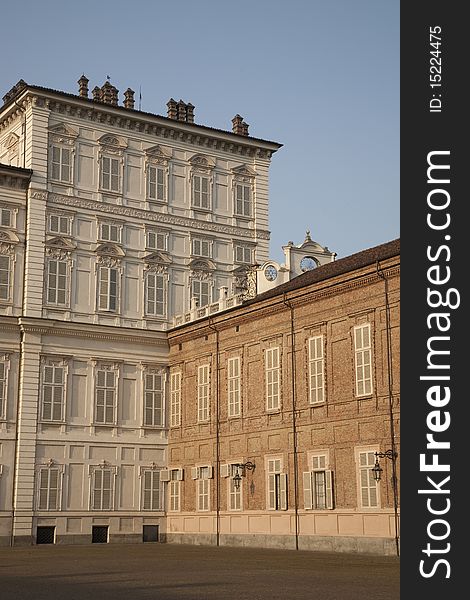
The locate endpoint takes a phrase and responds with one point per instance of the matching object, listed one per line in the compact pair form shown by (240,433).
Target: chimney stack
(239,126)
(180,111)
(129,98)
(172,109)
(96,91)
(190,113)
(83,87)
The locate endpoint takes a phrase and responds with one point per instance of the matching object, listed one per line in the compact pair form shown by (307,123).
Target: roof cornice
(128,119)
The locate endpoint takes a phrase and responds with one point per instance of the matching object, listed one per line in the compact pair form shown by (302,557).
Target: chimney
(181,111)
(239,126)
(109,94)
(129,98)
(96,91)
(83,87)
(172,109)
(190,113)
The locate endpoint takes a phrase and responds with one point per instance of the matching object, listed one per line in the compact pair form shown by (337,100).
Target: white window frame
(243,206)
(94,489)
(62,170)
(153,398)
(200,295)
(57,294)
(107,301)
(276,484)
(111,168)
(5,287)
(368,488)
(318,483)
(201,199)
(4,211)
(316,370)
(4,376)
(105,232)
(363,359)
(234,386)
(63,224)
(152,490)
(273,378)
(201,247)
(246,254)
(173,477)
(109,402)
(58,390)
(160,237)
(45,493)
(153,306)
(175,398)
(203,393)
(203,474)
(157,191)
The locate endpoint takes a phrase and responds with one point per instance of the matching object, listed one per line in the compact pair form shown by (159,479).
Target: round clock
(307,263)
(270,273)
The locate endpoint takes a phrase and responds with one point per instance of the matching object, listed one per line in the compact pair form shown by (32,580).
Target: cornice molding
(147,123)
(139,213)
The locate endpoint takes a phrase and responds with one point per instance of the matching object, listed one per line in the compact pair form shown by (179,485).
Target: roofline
(248,140)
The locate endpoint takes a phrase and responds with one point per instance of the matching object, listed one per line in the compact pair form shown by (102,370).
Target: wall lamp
(238,477)
(377,469)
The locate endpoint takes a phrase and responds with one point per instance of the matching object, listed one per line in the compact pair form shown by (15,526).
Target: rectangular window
(203,393)
(62,164)
(273,376)
(243,200)
(57,280)
(363,356)
(175,489)
(110,174)
(105,396)
(49,483)
(53,393)
(244,254)
(318,490)
(201,196)
(5,217)
(5,266)
(156,188)
(277,486)
(316,369)
(155,294)
(175,400)
(103,488)
(110,232)
(368,485)
(156,240)
(200,290)
(234,386)
(202,247)
(151,496)
(153,395)
(3,388)
(108,288)
(235,494)
(203,488)
(59,224)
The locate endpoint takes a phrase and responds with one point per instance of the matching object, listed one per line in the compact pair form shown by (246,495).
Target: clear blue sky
(319,76)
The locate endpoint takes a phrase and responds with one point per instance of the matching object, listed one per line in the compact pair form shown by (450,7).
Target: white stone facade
(112,221)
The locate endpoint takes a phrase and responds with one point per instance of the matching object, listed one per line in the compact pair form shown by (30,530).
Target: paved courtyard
(170,572)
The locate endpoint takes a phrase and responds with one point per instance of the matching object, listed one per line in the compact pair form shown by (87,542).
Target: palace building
(151,353)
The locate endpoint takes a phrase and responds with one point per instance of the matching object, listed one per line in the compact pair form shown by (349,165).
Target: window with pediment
(4,371)
(58,270)
(54,372)
(201,178)
(111,161)
(8,241)
(201,282)
(109,274)
(157,172)
(243,191)
(10,154)
(156,284)
(62,141)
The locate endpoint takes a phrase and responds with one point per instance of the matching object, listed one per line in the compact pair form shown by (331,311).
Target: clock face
(307,263)
(270,273)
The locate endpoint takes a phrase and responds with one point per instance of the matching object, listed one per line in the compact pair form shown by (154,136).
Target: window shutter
(194,473)
(307,478)
(329,489)
(179,475)
(165,475)
(210,472)
(147,504)
(283,490)
(224,470)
